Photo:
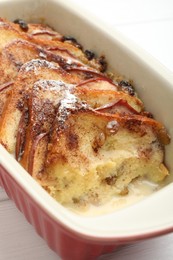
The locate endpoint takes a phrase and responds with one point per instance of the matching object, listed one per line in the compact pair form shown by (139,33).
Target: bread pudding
(80,131)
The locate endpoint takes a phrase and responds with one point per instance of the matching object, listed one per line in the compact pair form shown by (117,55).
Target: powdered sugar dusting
(68,104)
(55,85)
(65,102)
(42,54)
(34,64)
(2,23)
(70,61)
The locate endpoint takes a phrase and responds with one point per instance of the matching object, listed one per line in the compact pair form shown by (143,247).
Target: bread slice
(64,45)
(108,100)
(17,101)
(59,45)
(44,100)
(8,33)
(18,52)
(17,47)
(42,105)
(94,156)
(38,31)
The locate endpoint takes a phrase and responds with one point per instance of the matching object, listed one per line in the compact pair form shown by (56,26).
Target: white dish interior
(154,85)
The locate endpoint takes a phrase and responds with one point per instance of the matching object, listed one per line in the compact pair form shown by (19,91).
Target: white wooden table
(150,24)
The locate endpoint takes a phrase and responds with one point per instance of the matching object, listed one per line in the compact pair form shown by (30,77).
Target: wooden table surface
(150,24)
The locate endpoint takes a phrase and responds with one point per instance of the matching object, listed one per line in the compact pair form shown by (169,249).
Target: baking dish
(64,231)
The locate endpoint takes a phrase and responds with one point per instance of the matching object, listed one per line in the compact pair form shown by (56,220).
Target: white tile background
(149,23)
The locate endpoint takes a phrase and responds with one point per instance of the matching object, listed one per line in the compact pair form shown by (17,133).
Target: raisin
(127,87)
(73,40)
(23,25)
(69,38)
(89,54)
(110,180)
(102,61)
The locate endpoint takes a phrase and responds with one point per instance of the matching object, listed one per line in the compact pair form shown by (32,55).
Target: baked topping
(82,133)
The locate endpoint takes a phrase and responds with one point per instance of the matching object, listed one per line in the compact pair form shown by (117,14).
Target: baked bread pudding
(80,131)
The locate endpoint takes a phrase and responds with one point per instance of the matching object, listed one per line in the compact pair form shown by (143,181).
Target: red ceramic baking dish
(87,237)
